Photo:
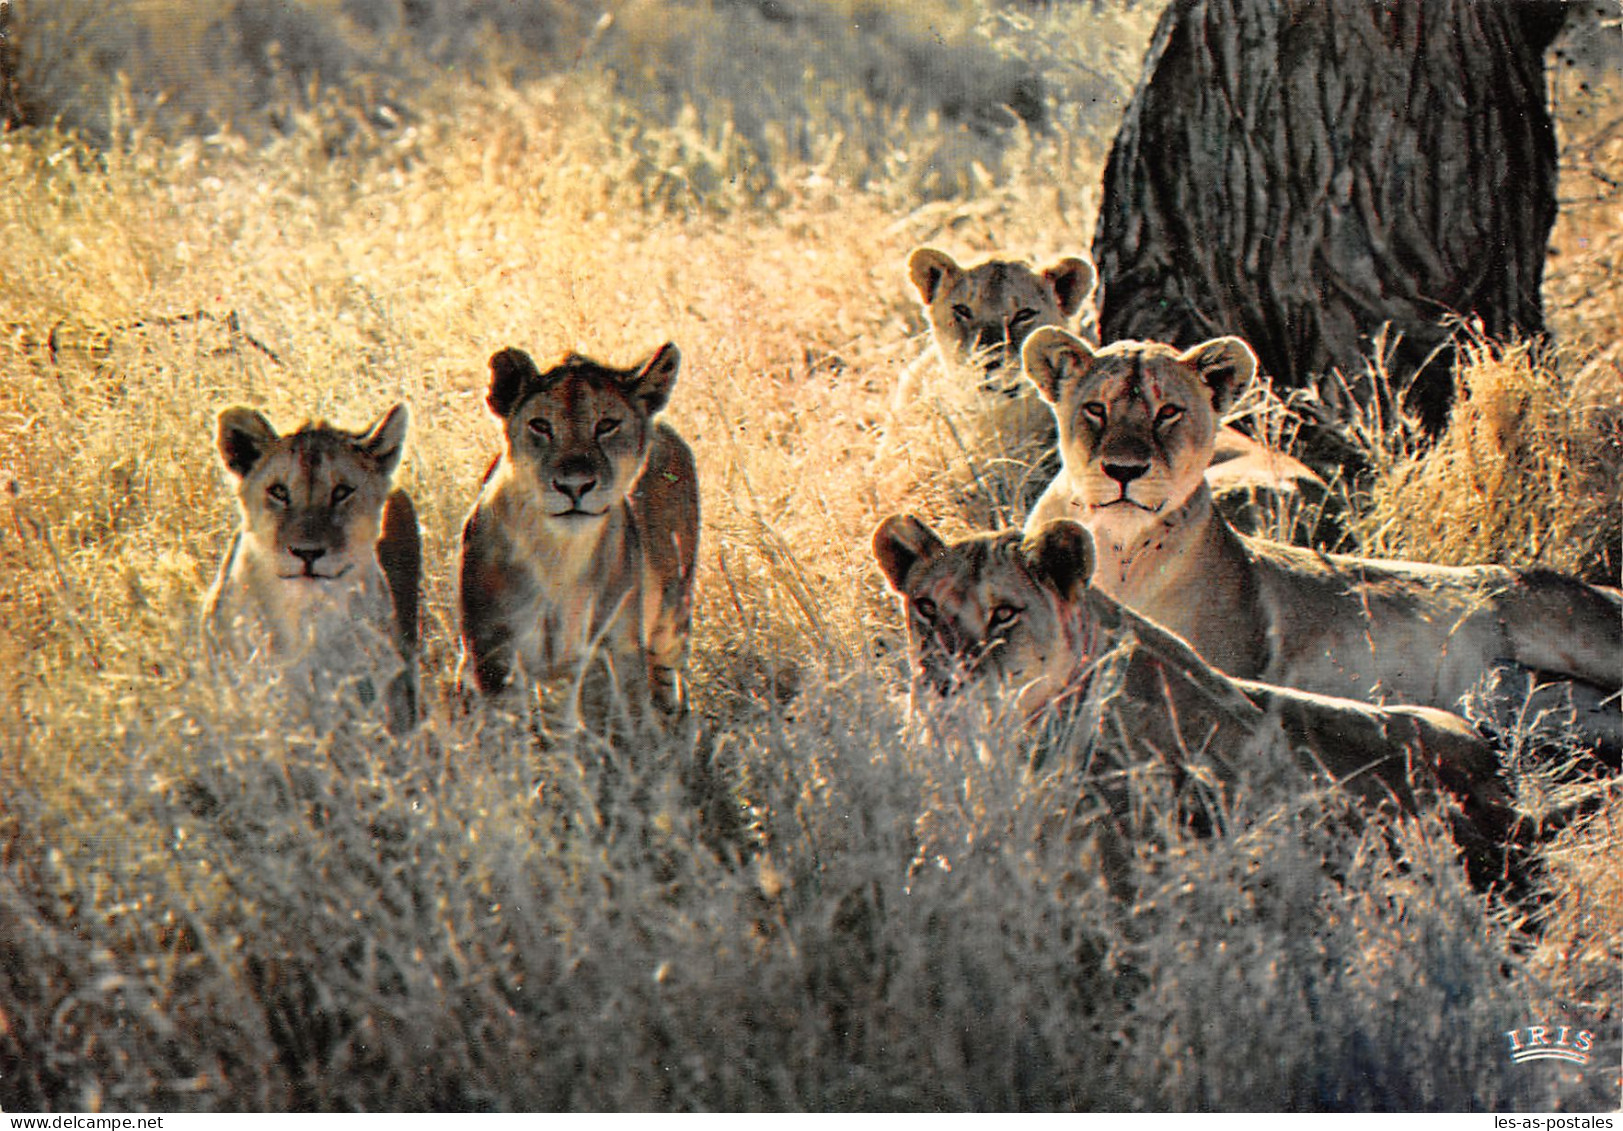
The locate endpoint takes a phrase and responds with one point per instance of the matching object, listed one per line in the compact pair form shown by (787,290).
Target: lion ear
(655,378)
(1226,365)
(510,370)
(1059,554)
(242,437)
(930,269)
(385,441)
(1072,280)
(1053,357)
(900,543)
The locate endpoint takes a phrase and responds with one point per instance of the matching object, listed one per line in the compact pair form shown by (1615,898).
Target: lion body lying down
(1015,614)
(1136,426)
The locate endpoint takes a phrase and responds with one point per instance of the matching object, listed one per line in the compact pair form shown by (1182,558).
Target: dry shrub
(1583,934)
(215,900)
(1528,473)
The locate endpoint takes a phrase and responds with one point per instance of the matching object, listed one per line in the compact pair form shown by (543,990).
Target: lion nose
(961,645)
(574,487)
(309,555)
(989,348)
(1125,473)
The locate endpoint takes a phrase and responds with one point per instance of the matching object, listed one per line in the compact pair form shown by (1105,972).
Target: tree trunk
(1301,172)
(11,110)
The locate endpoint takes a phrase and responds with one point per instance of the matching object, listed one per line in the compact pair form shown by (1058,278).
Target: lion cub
(577,563)
(326,567)
(1136,421)
(1015,614)
(980,318)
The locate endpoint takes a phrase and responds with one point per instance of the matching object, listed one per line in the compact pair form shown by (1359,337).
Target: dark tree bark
(1300,172)
(11,109)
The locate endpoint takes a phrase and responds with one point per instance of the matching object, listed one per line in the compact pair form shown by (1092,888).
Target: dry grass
(1534,453)
(223,902)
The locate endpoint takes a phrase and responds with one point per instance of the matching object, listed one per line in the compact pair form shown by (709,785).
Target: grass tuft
(220,898)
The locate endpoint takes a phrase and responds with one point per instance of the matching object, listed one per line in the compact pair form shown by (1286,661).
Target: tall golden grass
(217,901)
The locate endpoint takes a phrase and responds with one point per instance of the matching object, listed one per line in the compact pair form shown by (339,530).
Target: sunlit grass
(223,901)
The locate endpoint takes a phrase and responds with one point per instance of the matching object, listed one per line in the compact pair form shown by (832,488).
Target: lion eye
(925,608)
(540,427)
(1168,414)
(279,494)
(341,492)
(1094,411)
(1003,616)
(963,313)
(607,427)
(1022,316)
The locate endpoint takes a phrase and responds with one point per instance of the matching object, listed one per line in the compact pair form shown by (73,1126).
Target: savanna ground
(222,901)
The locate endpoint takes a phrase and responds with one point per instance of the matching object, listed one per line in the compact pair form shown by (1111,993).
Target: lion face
(980,316)
(999,613)
(312,501)
(1136,419)
(579,433)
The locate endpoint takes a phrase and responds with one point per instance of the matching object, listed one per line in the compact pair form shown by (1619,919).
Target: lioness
(1015,614)
(578,559)
(980,318)
(1136,421)
(327,562)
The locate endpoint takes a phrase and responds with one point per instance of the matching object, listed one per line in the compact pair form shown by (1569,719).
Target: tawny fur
(324,572)
(980,317)
(1136,422)
(577,562)
(1015,615)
